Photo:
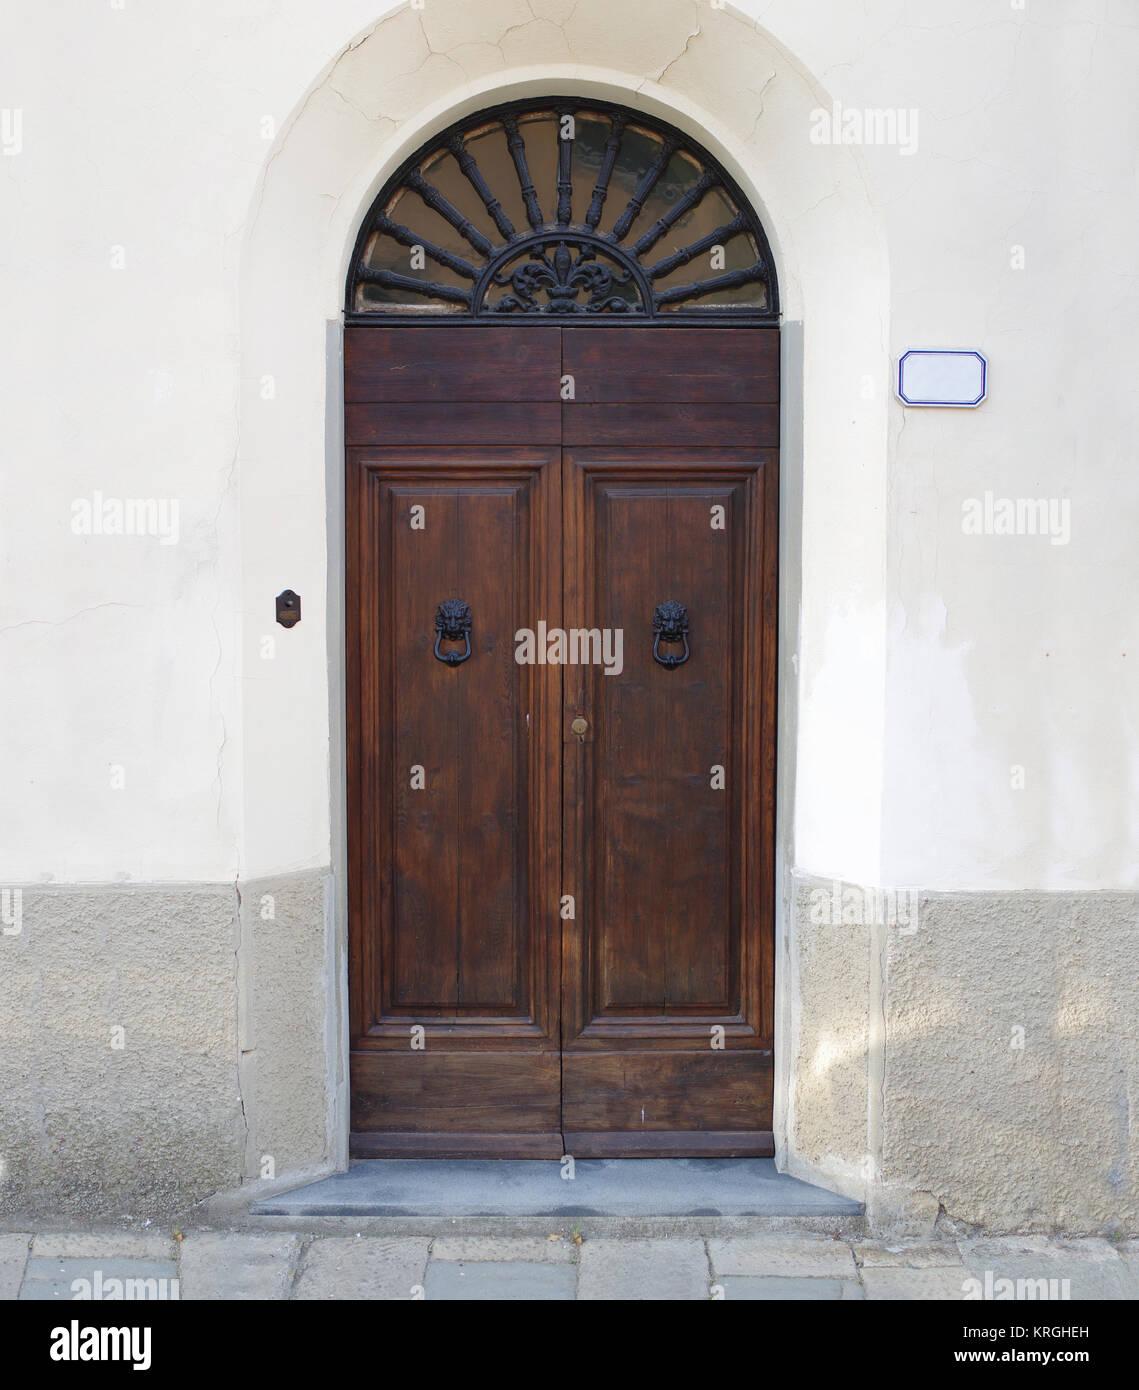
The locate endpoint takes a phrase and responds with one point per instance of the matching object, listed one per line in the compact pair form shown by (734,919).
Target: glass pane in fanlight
(441,170)
(714,210)
(385,253)
(408,208)
(738,253)
(681,172)
(592,131)
(639,148)
(489,149)
(750,295)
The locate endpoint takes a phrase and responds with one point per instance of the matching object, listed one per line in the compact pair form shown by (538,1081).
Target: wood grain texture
(447,1144)
(681,1143)
(463,1092)
(713,366)
(629,424)
(644,1091)
(460,423)
(435,365)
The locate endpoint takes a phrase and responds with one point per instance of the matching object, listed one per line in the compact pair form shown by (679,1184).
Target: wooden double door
(561,600)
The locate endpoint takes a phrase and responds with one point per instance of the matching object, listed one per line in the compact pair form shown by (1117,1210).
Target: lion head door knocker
(453,624)
(670,624)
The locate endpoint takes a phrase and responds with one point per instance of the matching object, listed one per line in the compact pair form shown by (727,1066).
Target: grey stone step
(607,1188)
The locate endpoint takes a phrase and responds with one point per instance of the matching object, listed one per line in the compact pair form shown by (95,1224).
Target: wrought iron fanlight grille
(566,209)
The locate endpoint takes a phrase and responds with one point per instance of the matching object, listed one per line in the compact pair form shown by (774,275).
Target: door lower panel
(675,1104)
(455,1105)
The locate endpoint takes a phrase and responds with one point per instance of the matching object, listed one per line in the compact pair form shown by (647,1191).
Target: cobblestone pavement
(290,1265)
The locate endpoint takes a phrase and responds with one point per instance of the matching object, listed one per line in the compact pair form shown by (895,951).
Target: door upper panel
(441,386)
(692,387)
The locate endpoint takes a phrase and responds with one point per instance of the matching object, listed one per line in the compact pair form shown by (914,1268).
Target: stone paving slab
(105,1245)
(367,1268)
(766,1266)
(914,1284)
(1037,1248)
(783,1256)
(908,1256)
(1129,1258)
(499,1280)
(52,1278)
(508,1248)
(637,1270)
(1092,1267)
(233,1265)
(13,1259)
(783,1290)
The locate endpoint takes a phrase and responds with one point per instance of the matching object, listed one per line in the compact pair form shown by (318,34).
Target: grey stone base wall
(288,991)
(160,1043)
(977,1056)
(972,1055)
(118,1041)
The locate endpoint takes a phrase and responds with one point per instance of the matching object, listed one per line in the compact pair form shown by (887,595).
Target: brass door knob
(579,726)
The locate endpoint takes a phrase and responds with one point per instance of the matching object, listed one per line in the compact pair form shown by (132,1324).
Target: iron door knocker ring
(670,624)
(453,624)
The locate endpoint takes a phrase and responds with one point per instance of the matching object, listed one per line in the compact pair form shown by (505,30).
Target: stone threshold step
(627,1187)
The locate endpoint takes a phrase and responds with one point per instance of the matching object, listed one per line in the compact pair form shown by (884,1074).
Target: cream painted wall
(222,155)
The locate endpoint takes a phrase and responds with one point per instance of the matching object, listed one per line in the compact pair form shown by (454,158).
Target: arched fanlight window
(562,208)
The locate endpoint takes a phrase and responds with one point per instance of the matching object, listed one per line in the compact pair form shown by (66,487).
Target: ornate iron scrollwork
(563,277)
(453,624)
(670,624)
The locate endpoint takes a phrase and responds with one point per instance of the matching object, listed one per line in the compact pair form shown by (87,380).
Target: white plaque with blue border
(955,377)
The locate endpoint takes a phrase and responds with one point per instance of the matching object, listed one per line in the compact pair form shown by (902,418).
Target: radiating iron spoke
(730,281)
(646,186)
(436,201)
(689,253)
(468,164)
(682,205)
(565,179)
(517,147)
(391,280)
(612,146)
(406,237)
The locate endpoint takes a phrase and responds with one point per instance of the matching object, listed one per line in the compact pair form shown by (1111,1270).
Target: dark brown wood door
(561,933)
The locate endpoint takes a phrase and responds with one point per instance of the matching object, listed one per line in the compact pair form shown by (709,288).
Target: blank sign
(942,376)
